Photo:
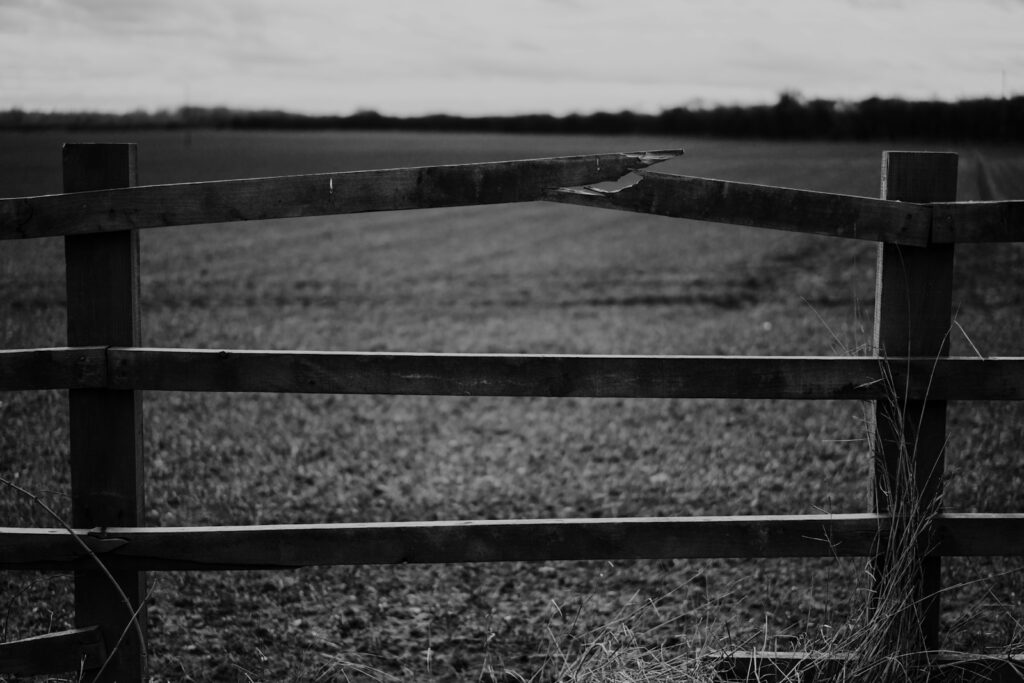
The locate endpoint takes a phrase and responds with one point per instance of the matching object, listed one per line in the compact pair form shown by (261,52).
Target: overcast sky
(410,57)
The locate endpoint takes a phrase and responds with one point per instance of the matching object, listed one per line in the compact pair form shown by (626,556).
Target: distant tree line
(792,117)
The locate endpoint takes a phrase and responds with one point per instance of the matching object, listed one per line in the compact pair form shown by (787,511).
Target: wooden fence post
(913,302)
(105,425)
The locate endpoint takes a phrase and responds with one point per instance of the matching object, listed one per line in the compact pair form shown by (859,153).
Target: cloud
(465,56)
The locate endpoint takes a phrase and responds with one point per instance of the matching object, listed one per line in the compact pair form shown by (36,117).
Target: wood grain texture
(60,652)
(310,195)
(786,377)
(105,426)
(58,368)
(913,314)
(978,221)
(488,374)
(779,208)
(284,546)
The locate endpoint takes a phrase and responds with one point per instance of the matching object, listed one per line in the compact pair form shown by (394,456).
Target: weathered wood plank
(54,653)
(794,377)
(487,374)
(978,221)
(283,546)
(57,368)
(471,541)
(979,534)
(808,667)
(779,667)
(104,426)
(788,377)
(311,195)
(954,379)
(779,208)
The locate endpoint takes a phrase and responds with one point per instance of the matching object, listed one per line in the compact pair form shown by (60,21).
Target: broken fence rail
(558,179)
(319,194)
(816,213)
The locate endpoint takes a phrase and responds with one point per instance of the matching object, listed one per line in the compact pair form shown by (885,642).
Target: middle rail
(462,374)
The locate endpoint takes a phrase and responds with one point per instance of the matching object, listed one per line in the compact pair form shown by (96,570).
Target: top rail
(780,208)
(558,179)
(818,213)
(319,194)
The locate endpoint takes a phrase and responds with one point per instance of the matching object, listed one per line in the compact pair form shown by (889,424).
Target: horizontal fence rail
(978,222)
(554,179)
(781,667)
(320,194)
(457,374)
(817,213)
(54,653)
(56,368)
(281,546)
(779,208)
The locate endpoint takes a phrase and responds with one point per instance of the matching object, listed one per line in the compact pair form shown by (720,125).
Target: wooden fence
(104,368)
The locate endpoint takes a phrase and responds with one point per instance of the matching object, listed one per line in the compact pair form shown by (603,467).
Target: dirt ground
(532,278)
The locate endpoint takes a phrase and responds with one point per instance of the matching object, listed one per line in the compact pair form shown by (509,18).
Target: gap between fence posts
(105,426)
(913,304)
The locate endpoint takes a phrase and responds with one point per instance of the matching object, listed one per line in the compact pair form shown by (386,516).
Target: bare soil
(522,278)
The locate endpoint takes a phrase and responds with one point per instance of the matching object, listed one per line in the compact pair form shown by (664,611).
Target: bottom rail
(808,667)
(54,653)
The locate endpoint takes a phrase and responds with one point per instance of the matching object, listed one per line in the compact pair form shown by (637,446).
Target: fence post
(105,426)
(913,303)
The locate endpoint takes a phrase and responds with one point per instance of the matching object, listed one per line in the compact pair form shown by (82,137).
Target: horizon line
(695,104)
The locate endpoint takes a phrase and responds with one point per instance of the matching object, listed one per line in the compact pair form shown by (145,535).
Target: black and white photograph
(511,341)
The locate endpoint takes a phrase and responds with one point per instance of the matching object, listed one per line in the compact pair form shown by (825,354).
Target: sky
(480,57)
